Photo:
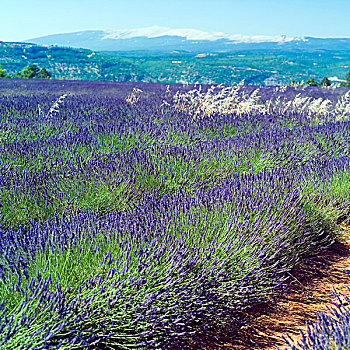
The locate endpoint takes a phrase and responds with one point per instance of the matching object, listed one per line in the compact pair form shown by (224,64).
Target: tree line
(34,72)
(324,82)
(29,72)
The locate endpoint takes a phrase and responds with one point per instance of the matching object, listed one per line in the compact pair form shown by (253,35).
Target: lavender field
(141,216)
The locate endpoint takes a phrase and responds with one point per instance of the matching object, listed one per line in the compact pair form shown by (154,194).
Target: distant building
(272,81)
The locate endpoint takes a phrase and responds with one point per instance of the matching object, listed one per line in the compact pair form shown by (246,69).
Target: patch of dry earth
(310,291)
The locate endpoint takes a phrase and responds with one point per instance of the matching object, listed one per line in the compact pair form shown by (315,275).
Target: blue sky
(25,19)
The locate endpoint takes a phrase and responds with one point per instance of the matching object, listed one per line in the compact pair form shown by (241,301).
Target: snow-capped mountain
(193,34)
(168,39)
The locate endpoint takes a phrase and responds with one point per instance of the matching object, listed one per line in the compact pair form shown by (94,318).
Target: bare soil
(310,291)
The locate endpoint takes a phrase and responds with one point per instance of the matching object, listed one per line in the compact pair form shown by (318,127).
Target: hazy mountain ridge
(167,39)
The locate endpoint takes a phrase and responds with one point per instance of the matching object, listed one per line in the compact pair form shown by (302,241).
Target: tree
(312,82)
(43,74)
(3,73)
(297,83)
(347,78)
(325,82)
(30,71)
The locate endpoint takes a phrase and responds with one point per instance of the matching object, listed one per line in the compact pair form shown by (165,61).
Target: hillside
(81,64)
(255,67)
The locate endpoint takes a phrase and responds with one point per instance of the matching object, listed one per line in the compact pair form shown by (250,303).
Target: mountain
(189,40)
(269,67)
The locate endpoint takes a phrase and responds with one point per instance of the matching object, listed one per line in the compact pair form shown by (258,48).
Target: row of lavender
(128,224)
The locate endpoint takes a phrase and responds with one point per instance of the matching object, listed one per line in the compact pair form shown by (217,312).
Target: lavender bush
(141,215)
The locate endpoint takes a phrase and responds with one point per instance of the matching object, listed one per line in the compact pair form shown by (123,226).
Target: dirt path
(310,292)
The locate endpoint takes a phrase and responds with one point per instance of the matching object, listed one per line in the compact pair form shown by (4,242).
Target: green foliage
(325,82)
(312,82)
(31,71)
(43,74)
(3,73)
(296,83)
(347,78)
